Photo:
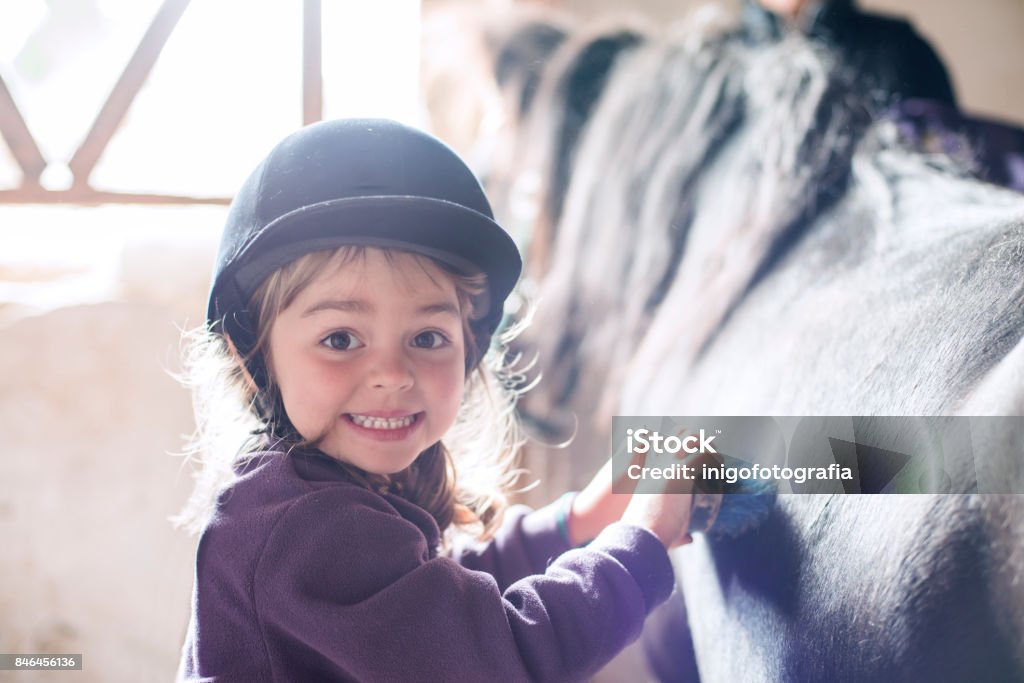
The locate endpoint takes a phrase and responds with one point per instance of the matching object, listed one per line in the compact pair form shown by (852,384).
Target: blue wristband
(562,515)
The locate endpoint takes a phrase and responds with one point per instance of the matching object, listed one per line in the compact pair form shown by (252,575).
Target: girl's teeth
(383,422)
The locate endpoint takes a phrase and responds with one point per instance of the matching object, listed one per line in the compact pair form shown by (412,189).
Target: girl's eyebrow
(343,305)
(446,307)
(360,306)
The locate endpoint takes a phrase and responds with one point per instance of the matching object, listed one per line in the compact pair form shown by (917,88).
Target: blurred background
(127,125)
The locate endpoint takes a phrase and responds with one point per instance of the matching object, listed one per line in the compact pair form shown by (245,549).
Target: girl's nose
(390,370)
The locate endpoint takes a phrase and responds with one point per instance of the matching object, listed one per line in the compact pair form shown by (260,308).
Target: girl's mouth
(376,423)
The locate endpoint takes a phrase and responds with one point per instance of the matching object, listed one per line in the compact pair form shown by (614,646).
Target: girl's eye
(341,341)
(429,340)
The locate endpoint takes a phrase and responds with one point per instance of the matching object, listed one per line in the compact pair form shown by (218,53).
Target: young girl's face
(370,360)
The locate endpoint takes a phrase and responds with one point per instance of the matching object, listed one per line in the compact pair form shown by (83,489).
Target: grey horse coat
(742,236)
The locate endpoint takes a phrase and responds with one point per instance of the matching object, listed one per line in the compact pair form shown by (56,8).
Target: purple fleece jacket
(303,575)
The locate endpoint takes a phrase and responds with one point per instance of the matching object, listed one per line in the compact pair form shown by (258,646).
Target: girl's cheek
(448,377)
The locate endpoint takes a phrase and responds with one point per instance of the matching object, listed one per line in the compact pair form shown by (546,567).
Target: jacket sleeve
(525,543)
(345,589)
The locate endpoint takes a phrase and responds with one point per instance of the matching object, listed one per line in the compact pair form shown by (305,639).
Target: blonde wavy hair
(463,481)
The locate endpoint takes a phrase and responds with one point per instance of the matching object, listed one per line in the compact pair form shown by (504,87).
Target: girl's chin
(380,464)
(386,471)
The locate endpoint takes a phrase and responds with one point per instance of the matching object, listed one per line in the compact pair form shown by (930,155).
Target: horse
(744,234)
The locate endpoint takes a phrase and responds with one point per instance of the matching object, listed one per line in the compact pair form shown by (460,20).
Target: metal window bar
(32,163)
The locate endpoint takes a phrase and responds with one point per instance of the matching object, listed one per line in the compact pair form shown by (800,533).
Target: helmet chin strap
(253,366)
(270,408)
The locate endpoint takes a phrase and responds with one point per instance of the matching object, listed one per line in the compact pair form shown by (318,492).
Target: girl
(358,284)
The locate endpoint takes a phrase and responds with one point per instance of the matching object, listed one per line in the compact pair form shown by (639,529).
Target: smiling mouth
(383,423)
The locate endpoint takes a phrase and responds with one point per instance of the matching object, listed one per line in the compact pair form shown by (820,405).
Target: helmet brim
(464,239)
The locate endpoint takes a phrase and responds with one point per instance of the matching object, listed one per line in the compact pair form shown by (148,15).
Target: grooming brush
(721,509)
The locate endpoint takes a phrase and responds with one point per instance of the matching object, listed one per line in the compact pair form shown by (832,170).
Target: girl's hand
(666,514)
(595,507)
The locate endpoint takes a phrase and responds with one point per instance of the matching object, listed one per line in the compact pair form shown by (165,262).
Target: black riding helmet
(370,182)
